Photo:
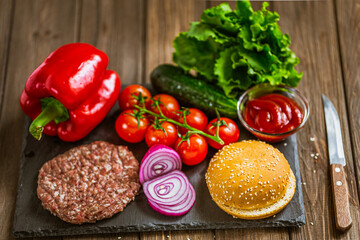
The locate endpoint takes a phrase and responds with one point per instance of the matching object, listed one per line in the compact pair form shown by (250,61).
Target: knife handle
(341,198)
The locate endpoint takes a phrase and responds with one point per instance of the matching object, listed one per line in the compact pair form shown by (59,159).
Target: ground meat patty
(89,183)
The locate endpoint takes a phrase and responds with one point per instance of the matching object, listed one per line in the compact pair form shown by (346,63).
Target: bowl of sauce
(272,113)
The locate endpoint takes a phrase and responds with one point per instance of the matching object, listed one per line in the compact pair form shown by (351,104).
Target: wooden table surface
(137,36)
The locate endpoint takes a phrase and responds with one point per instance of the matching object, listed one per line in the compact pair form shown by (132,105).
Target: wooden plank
(178,235)
(117,28)
(348,18)
(6,8)
(39,27)
(163,235)
(312,29)
(198,235)
(119,236)
(250,234)
(164,21)
(266,233)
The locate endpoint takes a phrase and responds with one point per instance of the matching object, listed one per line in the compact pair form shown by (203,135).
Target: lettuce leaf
(195,54)
(238,49)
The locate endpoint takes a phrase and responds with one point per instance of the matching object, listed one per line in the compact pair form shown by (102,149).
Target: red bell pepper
(70,93)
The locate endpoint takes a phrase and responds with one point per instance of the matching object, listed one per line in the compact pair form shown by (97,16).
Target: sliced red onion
(178,209)
(170,188)
(158,160)
(171,194)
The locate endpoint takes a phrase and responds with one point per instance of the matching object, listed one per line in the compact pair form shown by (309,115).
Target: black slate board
(32,220)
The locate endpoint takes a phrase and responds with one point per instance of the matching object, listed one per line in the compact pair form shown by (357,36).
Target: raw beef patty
(89,182)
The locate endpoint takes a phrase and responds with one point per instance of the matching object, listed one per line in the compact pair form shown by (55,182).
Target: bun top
(248,175)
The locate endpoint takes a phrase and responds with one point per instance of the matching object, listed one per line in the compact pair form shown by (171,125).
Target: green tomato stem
(193,130)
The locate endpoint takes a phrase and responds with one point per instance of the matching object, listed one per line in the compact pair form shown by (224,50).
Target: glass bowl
(264,89)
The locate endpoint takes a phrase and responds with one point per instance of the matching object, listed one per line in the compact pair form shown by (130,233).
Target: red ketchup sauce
(273,113)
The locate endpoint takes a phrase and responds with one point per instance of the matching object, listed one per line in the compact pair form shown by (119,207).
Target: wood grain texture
(340,194)
(6,9)
(196,235)
(251,234)
(248,233)
(348,19)
(120,28)
(165,19)
(312,28)
(39,27)
(119,236)
(5,200)
(116,27)
(160,235)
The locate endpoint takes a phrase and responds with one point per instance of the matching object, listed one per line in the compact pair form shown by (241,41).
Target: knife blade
(337,162)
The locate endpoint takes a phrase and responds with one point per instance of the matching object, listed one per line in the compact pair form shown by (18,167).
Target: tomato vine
(161,117)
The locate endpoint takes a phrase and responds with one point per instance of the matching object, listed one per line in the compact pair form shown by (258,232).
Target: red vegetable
(161,133)
(168,105)
(70,92)
(176,209)
(192,151)
(158,160)
(228,132)
(127,99)
(194,118)
(171,194)
(131,126)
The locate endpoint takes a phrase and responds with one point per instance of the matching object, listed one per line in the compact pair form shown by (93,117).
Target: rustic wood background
(137,36)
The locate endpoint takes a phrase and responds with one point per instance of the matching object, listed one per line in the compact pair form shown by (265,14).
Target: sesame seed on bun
(250,180)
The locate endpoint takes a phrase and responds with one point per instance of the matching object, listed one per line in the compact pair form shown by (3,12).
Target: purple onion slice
(187,203)
(158,160)
(171,194)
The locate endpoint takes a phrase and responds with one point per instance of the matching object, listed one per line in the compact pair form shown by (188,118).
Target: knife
(337,161)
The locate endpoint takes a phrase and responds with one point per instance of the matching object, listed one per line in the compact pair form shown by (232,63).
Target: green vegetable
(192,91)
(237,49)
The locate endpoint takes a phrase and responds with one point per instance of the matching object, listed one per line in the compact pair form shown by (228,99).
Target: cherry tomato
(155,135)
(196,119)
(128,128)
(194,153)
(168,105)
(229,134)
(126,98)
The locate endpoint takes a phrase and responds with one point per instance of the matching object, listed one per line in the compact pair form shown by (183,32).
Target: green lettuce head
(238,49)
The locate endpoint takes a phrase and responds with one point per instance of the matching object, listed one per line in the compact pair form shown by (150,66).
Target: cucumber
(191,91)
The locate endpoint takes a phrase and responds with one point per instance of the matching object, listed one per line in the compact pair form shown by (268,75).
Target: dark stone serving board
(32,220)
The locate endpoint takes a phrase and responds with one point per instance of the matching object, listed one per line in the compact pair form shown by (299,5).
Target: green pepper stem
(51,111)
